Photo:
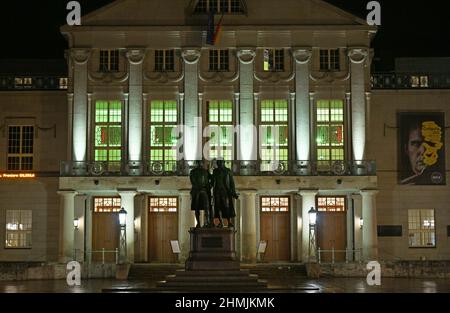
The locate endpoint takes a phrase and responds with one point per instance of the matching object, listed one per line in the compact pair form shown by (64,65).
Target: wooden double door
(332,234)
(275,230)
(105,235)
(162,228)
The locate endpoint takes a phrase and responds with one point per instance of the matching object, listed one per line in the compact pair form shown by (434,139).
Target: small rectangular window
(107,204)
(421,226)
(109,60)
(219,60)
(273,60)
(329,60)
(163,204)
(164,60)
(20,148)
(18,229)
(331,204)
(275,204)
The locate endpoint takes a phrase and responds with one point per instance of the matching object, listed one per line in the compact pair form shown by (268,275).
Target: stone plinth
(212,249)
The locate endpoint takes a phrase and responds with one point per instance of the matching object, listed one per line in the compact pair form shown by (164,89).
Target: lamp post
(123,236)
(312,214)
(76,223)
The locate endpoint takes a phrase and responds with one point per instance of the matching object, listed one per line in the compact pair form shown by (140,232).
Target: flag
(210,34)
(218,30)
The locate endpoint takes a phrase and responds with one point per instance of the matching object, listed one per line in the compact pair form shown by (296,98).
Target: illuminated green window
(274,133)
(108,131)
(329,132)
(220,120)
(163,120)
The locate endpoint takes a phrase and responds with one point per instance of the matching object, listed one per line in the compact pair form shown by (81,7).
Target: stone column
(358,57)
(67,232)
(369,230)
(302,57)
(127,198)
(80,59)
(350,228)
(308,201)
(187,220)
(192,145)
(248,226)
(135,58)
(247,137)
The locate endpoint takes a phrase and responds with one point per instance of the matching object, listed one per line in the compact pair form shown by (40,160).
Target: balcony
(240,168)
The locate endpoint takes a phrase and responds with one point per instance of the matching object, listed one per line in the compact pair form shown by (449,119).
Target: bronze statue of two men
(222,184)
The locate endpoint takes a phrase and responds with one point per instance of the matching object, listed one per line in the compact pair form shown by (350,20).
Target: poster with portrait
(422,148)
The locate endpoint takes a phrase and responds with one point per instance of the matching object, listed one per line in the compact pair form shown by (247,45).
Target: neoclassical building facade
(284,96)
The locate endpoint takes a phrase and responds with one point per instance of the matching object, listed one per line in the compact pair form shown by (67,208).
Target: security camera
(96,182)
(157,182)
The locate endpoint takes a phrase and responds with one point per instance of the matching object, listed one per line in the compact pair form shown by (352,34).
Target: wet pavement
(285,285)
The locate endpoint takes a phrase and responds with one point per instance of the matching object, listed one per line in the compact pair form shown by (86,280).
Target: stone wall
(47,271)
(394,269)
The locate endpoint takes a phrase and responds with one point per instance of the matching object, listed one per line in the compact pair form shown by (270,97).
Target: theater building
(317,129)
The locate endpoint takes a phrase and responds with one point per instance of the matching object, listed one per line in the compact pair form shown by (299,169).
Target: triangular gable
(181,13)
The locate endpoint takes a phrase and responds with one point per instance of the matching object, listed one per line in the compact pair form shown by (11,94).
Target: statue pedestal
(212,249)
(212,265)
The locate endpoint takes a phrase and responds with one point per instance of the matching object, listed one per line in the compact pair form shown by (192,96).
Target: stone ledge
(391,269)
(10,271)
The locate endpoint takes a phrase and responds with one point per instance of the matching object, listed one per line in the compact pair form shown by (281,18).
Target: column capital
(302,55)
(348,96)
(135,56)
(312,96)
(248,192)
(127,192)
(80,56)
(358,55)
(369,192)
(191,56)
(181,96)
(237,96)
(184,192)
(310,192)
(292,95)
(246,56)
(67,192)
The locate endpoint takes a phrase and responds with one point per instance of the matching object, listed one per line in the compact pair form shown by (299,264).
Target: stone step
(212,285)
(208,279)
(212,273)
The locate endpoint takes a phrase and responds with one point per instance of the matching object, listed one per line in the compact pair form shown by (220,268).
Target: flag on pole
(218,30)
(212,36)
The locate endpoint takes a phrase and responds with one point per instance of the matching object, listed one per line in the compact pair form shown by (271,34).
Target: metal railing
(33,82)
(350,254)
(91,253)
(391,80)
(239,168)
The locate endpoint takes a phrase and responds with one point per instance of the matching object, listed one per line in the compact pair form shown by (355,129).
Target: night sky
(30,28)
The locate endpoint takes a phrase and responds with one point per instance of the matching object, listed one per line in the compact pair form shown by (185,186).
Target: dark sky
(30,28)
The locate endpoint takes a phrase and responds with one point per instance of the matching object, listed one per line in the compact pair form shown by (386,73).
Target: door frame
(289,227)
